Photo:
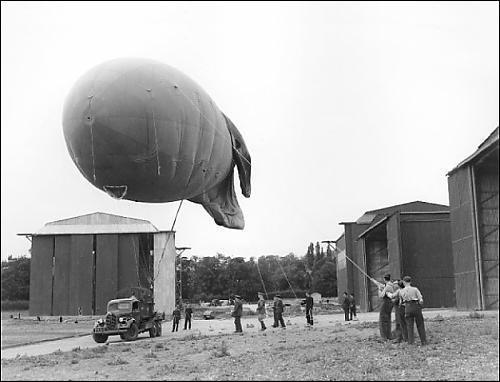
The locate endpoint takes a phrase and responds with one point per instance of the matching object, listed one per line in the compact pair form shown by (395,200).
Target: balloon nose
(117,192)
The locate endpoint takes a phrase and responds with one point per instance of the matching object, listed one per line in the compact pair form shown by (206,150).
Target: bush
(221,350)
(15,305)
(476,315)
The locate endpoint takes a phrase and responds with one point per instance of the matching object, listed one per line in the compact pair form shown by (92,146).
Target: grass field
(460,348)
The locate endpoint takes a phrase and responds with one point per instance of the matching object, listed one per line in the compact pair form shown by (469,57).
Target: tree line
(220,276)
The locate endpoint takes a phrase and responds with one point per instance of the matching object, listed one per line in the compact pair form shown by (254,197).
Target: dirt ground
(460,348)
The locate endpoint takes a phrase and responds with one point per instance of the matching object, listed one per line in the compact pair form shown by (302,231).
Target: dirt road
(207,328)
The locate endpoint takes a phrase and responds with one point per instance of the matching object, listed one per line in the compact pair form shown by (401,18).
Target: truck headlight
(122,320)
(100,321)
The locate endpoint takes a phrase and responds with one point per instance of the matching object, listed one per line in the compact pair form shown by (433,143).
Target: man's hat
(237,296)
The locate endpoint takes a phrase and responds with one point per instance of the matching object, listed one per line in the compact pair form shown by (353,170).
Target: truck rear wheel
(132,332)
(99,338)
(158,328)
(153,332)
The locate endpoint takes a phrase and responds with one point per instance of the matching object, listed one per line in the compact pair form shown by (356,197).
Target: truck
(129,316)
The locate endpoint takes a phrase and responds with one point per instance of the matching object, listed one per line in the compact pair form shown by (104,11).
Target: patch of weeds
(438,318)
(74,361)
(126,349)
(57,352)
(192,337)
(159,346)
(151,354)
(118,361)
(100,349)
(312,358)
(476,315)
(221,350)
(370,369)
(207,347)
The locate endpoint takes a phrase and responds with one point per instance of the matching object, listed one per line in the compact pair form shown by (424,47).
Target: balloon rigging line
(288,281)
(89,117)
(156,133)
(358,267)
(166,241)
(261,279)
(136,262)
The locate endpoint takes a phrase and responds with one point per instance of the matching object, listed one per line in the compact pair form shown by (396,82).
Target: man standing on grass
(352,307)
(188,312)
(345,306)
(261,311)
(413,301)
(176,317)
(386,307)
(309,309)
(237,312)
(399,311)
(278,312)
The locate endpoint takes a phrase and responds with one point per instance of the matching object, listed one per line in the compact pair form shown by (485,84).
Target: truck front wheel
(132,332)
(99,338)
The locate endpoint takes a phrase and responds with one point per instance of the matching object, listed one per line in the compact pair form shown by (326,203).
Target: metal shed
(473,192)
(407,239)
(80,263)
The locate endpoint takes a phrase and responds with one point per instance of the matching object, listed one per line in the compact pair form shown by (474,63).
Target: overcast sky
(345,107)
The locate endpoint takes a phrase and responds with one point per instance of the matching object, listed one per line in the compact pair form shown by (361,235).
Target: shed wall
(427,257)
(41,275)
(62,274)
(463,239)
(106,271)
(128,261)
(488,224)
(81,275)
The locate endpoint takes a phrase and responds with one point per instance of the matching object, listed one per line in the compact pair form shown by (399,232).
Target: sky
(344,107)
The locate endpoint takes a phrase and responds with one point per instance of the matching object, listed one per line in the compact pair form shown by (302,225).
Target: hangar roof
(95,223)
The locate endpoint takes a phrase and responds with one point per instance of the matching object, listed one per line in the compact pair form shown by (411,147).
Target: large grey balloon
(141,130)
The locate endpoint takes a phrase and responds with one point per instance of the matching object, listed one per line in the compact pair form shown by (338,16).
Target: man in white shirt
(413,301)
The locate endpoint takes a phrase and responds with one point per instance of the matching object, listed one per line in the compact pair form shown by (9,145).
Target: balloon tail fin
(221,203)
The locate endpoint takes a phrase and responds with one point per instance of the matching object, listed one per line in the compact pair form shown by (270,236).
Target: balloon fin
(221,203)
(241,157)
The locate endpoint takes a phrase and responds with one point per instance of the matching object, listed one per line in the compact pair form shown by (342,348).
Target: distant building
(80,263)
(407,239)
(473,190)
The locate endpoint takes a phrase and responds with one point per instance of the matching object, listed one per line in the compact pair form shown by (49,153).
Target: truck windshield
(119,306)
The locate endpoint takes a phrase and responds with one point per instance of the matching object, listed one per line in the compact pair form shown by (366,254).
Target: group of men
(407,302)
(278,308)
(349,306)
(400,295)
(176,317)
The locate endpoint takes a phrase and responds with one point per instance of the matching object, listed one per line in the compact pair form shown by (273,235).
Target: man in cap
(237,312)
(413,301)
(386,307)
(278,312)
(345,306)
(309,309)
(261,310)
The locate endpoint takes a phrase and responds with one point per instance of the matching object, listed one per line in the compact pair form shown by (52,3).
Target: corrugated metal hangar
(79,264)
(407,239)
(473,192)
